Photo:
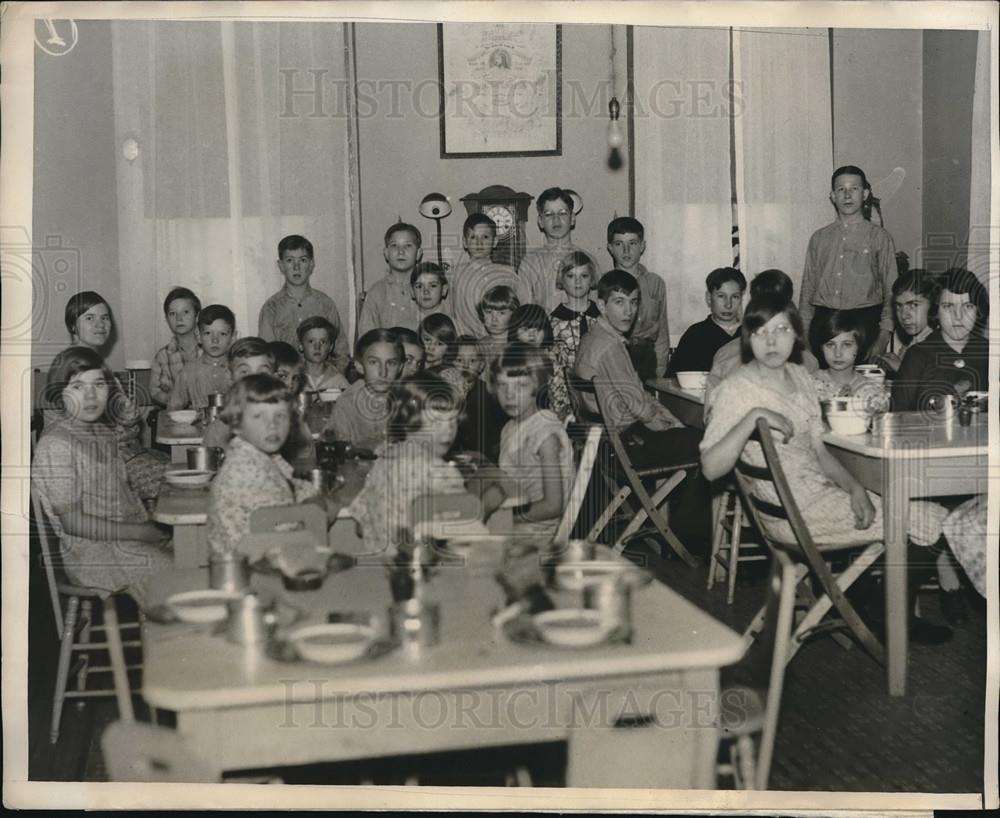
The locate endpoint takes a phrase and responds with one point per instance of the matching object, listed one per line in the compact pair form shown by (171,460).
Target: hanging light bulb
(615,136)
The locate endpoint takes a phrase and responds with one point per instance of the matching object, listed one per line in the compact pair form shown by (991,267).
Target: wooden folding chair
(628,481)
(591,435)
(807,552)
(76,627)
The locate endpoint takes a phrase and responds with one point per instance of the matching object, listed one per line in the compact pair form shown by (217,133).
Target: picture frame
(500,89)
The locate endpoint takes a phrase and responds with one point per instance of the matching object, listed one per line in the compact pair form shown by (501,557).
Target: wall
(400,152)
(877,121)
(75,218)
(949,60)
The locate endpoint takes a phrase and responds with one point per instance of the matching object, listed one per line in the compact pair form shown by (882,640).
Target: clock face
(503,218)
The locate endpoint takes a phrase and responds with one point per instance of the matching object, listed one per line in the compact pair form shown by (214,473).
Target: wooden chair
(591,436)
(628,480)
(805,551)
(727,541)
(75,626)
(275,526)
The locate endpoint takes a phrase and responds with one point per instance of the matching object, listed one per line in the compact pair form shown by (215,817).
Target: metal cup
(217,399)
(229,571)
(250,621)
(205,458)
(613,600)
(416,624)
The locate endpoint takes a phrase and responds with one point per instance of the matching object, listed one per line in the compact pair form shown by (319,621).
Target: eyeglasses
(780,331)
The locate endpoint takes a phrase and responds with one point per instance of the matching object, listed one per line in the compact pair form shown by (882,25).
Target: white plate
(188,478)
(185,416)
(200,607)
(575,577)
(334,643)
(572,627)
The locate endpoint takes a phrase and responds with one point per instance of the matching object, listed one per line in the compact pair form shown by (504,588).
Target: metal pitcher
(250,621)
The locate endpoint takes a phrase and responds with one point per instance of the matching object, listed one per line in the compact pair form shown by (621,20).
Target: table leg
(896,514)
(190,546)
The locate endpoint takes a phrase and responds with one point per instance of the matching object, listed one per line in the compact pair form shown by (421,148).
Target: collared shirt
(199,379)
(651,322)
(849,266)
(389,303)
(249,479)
(934,368)
(469,282)
(540,270)
(329,378)
(166,369)
(283,312)
(698,346)
(603,358)
(359,417)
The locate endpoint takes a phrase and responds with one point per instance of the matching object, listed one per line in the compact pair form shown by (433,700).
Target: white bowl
(188,478)
(185,416)
(200,607)
(330,395)
(572,627)
(692,381)
(847,423)
(576,577)
(333,643)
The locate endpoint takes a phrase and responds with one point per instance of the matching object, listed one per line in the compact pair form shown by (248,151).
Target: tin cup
(217,399)
(871,371)
(205,458)
(613,600)
(229,571)
(416,624)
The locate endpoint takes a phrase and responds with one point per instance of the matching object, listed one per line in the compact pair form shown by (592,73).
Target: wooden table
(688,407)
(914,457)
(475,689)
(178,436)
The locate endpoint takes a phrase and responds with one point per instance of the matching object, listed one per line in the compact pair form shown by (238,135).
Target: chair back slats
(588,455)
(49,554)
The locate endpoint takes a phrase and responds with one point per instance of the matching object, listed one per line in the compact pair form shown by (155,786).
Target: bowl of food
(201,607)
(847,423)
(333,643)
(572,627)
(692,381)
(183,416)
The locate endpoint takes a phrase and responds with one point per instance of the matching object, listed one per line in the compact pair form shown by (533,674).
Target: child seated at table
(724,289)
(360,413)
(837,340)
(209,372)
(254,475)
(316,339)
(483,419)
(535,452)
(530,324)
(413,351)
(914,305)
(495,311)
(289,368)
(421,430)
(438,336)
(429,286)
(247,356)
(771,384)
(106,537)
(180,308)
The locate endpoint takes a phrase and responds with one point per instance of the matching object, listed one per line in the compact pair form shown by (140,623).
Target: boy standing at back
(180,307)
(389,303)
(851,265)
(724,288)
(649,343)
(540,266)
(297,300)
(209,372)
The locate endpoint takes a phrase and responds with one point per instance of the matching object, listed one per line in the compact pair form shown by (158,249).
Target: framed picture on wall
(500,89)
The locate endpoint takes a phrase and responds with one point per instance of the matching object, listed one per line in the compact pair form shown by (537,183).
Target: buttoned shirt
(849,266)
(359,417)
(166,368)
(389,303)
(199,379)
(651,322)
(469,282)
(283,312)
(603,358)
(540,271)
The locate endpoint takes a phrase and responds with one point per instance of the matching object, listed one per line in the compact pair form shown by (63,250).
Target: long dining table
(911,455)
(638,714)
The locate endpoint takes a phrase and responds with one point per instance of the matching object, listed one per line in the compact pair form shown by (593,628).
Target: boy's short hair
(379,335)
(216,312)
(500,297)
(410,396)
(316,322)
(771,281)
(284,354)
(720,275)
(760,310)
(428,268)
(439,326)
(467,341)
(616,281)
(407,336)
(849,170)
(79,304)
(295,242)
(401,227)
(625,224)
(475,219)
(920,282)
(827,326)
(249,347)
(257,388)
(519,359)
(178,293)
(553,194)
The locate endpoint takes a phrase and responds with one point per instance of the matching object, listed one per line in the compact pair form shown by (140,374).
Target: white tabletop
(908,435)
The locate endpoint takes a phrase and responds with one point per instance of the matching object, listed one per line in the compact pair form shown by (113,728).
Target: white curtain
(980,228)
(682,188)
(783,145)
(228,163)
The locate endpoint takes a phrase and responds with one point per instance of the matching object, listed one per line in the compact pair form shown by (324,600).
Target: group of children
(479,359)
